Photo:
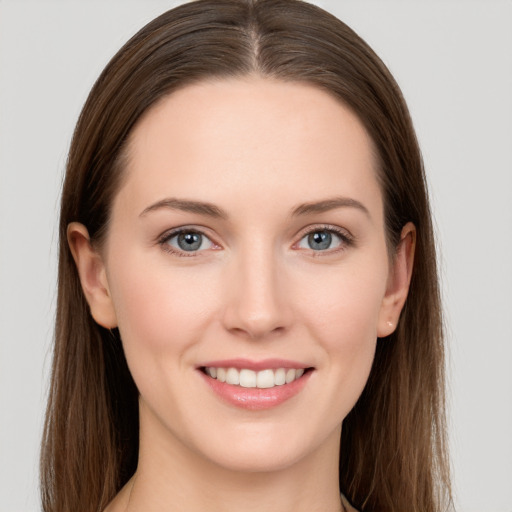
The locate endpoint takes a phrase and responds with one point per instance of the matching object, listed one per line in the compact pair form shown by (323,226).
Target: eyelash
(163,241)
(347,240)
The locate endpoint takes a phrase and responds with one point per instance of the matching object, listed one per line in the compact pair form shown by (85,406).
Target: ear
(398,282)
(93,276)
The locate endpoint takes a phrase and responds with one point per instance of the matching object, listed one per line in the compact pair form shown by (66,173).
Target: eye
(323,240)
(188,241)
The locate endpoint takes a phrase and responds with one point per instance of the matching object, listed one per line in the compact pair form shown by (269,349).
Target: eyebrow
(210,210)
(185,205)
(329,204)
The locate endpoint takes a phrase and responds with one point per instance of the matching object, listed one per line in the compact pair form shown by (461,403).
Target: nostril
(254,307)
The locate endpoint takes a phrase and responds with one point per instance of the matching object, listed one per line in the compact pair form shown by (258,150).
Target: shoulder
(348,507)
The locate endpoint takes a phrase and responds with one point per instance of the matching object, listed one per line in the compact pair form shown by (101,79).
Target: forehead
(227,138)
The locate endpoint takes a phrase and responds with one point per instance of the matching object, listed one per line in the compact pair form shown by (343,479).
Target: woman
(248,312)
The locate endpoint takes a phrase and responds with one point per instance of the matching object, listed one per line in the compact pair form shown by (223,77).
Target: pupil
(320,240)
(189,241)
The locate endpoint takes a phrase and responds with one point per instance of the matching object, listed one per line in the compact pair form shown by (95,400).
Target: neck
(171,477)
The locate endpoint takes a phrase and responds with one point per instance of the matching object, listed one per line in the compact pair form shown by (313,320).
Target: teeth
(290,375)
(233,376)
(265,379)
(251,379)
(221,374)
(280,377)
(247,378)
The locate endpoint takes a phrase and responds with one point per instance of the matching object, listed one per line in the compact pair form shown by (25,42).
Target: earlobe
(92,273)
(398,282)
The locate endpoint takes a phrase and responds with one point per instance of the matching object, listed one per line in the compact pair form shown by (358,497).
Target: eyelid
(346,237)
(164,238)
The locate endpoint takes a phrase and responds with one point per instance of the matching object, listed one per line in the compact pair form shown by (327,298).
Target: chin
(256,460)
(266,450)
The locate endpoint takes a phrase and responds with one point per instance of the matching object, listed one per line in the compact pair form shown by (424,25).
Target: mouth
(251,379)
(255,386)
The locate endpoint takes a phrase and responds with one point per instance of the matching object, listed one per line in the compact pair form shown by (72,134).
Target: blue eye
(189,241)
(321,240)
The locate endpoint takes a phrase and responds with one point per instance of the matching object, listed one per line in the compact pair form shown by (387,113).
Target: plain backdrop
(453,60)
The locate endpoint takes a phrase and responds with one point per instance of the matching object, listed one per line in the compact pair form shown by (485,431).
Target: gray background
(453,62)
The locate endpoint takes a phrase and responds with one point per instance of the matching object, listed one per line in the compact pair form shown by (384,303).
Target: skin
(256,149)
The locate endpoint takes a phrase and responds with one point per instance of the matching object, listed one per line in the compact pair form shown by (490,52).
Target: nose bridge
(255,305)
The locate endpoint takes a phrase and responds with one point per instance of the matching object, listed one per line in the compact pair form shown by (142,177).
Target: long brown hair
(393,447)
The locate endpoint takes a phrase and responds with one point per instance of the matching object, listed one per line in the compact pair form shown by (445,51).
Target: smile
(255,385)
(246,378)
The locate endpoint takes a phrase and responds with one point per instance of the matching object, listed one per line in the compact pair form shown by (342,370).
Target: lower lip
(256,398)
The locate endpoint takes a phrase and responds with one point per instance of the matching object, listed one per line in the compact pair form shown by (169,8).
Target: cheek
(343,316)
(345,303)
(158,307)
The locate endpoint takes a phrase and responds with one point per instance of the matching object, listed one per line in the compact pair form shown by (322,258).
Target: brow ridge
(329,204)
(211,210)
(186,205)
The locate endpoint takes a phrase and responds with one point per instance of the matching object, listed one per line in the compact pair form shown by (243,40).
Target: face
(247,270)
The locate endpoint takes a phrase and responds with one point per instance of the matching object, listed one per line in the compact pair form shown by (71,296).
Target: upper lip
(249,364)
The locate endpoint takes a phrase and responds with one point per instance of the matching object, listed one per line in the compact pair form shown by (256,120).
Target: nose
(257,304)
